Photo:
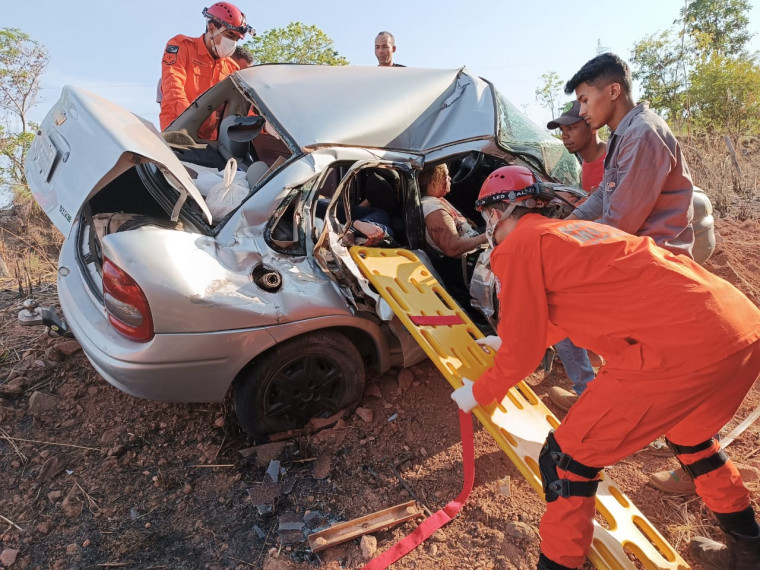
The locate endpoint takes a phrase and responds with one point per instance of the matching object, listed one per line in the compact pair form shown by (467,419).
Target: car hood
(85,142)
(399,108)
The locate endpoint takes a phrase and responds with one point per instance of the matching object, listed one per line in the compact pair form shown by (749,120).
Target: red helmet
(230,17)
(512,183)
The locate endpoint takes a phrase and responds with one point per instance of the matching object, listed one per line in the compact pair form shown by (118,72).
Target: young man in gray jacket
(646,189)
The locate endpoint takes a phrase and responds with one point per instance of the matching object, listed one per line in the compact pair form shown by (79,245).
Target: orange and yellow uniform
(187,70)
(680,344)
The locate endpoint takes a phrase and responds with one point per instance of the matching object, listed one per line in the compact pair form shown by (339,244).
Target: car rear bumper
(205,378)
(178,367)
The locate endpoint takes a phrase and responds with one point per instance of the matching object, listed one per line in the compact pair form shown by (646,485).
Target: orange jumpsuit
(680,344)
(187,70)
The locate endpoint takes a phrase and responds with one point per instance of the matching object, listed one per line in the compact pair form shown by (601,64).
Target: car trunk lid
(85,142)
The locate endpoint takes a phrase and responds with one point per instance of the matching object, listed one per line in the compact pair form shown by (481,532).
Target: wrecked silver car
(173,301)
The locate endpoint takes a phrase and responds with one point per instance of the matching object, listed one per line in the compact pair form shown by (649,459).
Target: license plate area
(44,157)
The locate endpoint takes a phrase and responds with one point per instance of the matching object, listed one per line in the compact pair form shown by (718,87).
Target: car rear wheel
(311,376)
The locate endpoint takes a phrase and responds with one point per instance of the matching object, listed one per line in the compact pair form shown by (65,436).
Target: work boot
(676,482)
(562,398)
(545,563)
(739,552)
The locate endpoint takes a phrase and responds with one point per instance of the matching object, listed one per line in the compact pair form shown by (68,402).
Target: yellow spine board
(520,422)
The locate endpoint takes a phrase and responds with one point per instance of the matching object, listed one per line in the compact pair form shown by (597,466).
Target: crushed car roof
(400,108)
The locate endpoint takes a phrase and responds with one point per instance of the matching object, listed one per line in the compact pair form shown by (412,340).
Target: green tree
(22,63)
(717,26)
(297,43)
(705,76)
(726,95)
(548,93)
(660,65)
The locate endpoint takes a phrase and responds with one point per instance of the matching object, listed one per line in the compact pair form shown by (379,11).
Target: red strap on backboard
(439,518)
(436,320)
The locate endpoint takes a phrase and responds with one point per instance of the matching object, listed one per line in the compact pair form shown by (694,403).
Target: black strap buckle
(565,488)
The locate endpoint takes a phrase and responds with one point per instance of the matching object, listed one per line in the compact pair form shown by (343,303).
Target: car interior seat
(236,134)
(381,188)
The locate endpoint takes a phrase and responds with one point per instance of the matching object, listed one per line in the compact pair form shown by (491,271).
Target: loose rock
(322,467)
(405,379)
(365,414)
(368,546)
(373,391)
(39,403)
(68,347)
(8,556)
(520,530)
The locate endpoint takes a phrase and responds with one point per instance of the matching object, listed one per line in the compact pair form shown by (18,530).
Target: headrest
(236,134)
(381,193)
(241,129)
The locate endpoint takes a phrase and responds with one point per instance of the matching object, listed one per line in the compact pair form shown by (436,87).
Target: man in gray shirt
(646,189)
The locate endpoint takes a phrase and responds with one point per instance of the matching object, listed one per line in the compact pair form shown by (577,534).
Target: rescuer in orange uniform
(191,65)
(681,347)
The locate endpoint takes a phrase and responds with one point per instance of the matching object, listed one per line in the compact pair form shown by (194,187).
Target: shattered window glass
(523,138)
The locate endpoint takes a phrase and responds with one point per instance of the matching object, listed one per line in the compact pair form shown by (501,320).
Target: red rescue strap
(439,518)
(436,320)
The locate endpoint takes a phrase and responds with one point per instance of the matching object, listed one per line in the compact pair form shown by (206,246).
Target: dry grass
(728,171)
(29,246)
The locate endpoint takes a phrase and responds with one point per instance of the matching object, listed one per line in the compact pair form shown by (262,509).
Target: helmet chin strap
(508,211)
(505,214)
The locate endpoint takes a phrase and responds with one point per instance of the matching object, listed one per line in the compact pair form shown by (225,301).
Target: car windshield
(521,137)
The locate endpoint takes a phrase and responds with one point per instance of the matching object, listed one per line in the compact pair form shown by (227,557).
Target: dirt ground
(94,478)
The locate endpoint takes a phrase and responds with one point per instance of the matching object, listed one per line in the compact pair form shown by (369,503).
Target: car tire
(308,377)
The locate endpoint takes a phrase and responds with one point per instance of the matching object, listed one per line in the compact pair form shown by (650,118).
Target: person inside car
(371,223)
(448,234)
(447,231)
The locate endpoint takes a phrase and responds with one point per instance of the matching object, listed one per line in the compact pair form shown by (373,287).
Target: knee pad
(550,459)
(703,466)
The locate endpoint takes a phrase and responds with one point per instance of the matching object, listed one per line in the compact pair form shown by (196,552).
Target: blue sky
(114,48)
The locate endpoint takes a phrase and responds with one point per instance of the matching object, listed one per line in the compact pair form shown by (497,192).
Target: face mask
(493,219)
(225,47)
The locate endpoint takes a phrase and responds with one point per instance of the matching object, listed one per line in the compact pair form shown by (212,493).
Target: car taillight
(126,305)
